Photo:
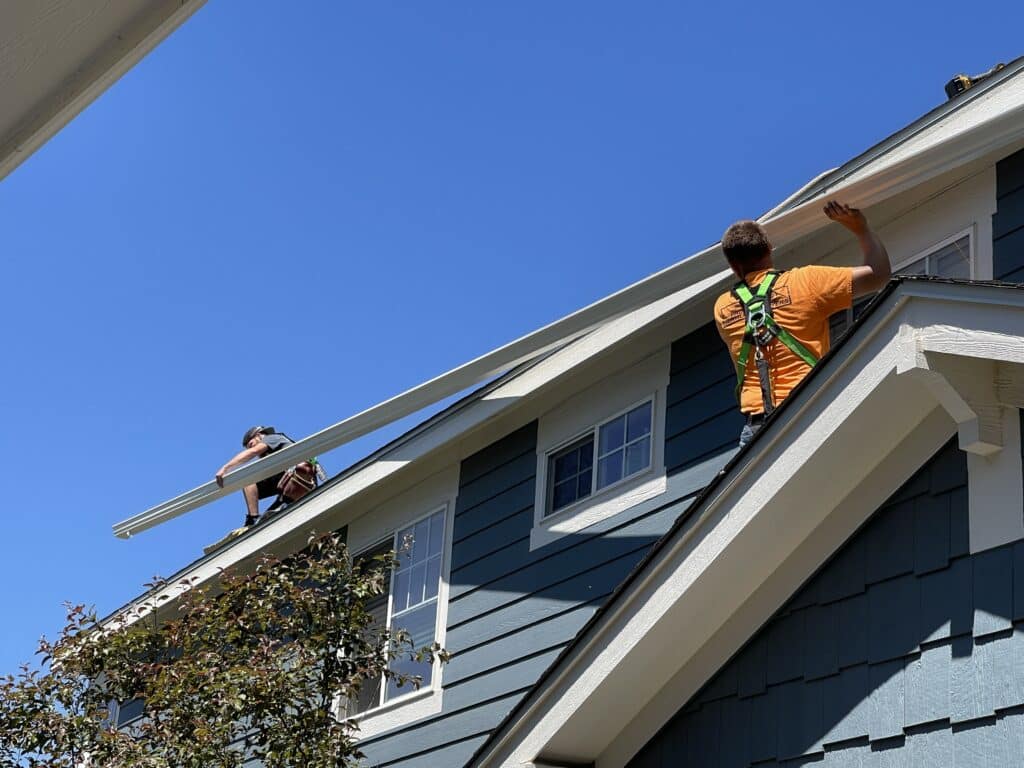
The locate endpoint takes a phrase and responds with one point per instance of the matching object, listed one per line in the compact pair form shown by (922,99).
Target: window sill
(398,712)
(608,503)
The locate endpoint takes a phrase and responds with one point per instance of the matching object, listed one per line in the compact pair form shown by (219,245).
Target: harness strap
(759,331)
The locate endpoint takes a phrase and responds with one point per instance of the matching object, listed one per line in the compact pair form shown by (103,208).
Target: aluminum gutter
(987,134)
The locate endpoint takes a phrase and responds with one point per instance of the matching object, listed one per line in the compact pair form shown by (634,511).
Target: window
(411,603)
(609,453)
(950,258)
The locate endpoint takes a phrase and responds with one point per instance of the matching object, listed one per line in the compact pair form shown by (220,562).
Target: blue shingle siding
(702,420)
(903,650)
(1008,221)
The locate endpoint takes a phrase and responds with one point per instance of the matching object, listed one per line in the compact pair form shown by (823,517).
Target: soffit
(57,56)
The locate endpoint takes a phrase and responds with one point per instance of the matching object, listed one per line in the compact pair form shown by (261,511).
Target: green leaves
(248,667)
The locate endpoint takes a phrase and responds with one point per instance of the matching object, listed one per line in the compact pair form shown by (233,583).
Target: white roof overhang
(56,57)
(932,359)
(979,129)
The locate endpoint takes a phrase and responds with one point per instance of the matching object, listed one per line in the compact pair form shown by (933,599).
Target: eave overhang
(57,57)
(932,359)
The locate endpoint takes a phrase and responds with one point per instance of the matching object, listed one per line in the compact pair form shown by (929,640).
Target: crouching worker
(776,323)
(256,443)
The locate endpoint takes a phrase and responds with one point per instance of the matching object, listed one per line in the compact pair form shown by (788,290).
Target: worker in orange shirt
(776,323)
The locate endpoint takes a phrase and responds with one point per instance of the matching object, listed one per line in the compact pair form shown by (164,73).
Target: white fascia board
(839,428)
(960,144)
(447,431)
(101,69)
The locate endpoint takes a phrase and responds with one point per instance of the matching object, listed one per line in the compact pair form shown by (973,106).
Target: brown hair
(745,243)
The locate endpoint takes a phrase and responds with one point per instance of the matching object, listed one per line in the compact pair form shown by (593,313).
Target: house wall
(1008,222)
(512,609)
(903,650)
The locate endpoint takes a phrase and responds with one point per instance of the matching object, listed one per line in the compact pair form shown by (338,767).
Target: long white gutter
(994,127)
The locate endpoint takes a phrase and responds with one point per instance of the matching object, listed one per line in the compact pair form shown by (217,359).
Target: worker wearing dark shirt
(256,443)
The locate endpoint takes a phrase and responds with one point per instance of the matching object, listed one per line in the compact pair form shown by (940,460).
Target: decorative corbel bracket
(973,390)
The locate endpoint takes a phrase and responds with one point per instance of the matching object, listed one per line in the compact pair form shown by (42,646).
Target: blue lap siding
(511,611)
(702,420)
(1008,221)
(903,650)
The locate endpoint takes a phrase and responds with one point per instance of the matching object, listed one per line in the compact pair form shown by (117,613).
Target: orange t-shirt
(802,300)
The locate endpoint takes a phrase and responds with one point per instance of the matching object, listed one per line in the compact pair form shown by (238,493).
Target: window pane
(917,268)
(567,465)
(609,469)
(953,260)
(401,591)
(421,541)
(403,548)
(612,435)
(417,579)
(638,456)
(583,483)
(638,422)
(369,696)
(420,624)
(130,711)
(433,577)
(587,456)
(565,494)
(436,533)
(408,667)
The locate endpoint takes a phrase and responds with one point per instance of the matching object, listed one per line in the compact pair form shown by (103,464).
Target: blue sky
(286,217)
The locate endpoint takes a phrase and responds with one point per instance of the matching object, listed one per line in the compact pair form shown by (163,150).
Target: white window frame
(418,503)
(594,433)
(972,258)
(583,413)
(436,668)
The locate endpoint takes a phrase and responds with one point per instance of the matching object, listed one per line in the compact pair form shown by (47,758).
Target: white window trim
(586,412)
(972,259)
(433,495)
(594,433)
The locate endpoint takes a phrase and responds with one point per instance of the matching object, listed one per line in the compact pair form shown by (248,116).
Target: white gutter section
(978,130)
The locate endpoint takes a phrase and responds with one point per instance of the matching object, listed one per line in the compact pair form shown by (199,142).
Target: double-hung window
(611,452)
(411,603)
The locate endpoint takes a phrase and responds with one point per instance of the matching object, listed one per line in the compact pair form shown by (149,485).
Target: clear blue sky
(386,189)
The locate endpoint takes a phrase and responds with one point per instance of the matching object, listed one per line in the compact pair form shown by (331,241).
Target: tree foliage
(254,666)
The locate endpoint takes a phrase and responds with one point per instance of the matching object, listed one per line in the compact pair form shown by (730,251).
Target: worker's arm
(876,268)
(241,458)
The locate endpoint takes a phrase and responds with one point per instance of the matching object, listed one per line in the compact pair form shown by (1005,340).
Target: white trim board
(969,134)
(702,577)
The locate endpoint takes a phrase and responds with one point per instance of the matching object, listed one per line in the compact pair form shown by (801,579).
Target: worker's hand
(219,477)
(851,218)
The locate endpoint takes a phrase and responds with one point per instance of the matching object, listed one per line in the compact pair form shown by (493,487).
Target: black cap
(251,432)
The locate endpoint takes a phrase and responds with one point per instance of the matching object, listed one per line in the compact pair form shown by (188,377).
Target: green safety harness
(759,332)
